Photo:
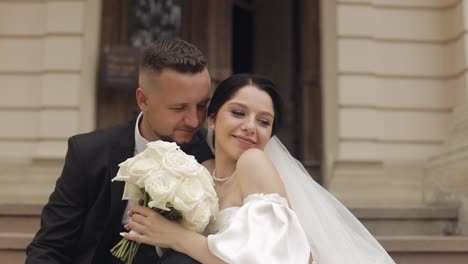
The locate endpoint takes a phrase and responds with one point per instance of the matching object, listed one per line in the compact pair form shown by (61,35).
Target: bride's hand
(153,229)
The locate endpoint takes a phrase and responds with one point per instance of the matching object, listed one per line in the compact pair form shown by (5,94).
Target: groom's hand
(174,257)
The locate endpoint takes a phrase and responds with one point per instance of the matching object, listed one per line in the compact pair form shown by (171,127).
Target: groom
(85,213)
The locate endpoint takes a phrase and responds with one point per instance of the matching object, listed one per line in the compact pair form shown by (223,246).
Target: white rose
(198,218)
(157,149)
(135,170)
(132,193)
(123,174)
(142,169)
(188,193)
(160,187)
(213,204)
(180,164)
(206,180)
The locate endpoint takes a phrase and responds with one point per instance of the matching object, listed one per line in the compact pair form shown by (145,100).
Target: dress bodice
(263,230)
(224,215)
(221,221)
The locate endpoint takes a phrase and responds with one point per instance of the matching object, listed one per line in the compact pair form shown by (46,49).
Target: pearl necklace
(216,179)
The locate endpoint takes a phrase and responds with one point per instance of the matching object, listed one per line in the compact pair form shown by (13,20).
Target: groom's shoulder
(104,136)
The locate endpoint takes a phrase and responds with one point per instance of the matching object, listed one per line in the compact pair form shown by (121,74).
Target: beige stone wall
(48,52)
(393,72)
(400,70)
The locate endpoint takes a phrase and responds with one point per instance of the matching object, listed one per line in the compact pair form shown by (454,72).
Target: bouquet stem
(126,249)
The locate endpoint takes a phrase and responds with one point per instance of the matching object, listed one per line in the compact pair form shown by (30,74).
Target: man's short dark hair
(174,54)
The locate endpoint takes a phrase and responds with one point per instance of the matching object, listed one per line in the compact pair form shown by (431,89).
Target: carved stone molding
(459,128)
(446,174)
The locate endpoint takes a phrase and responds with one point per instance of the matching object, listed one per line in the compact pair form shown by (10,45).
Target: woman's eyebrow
(245,106)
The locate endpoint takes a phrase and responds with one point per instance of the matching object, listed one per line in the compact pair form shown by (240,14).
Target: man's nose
(191,119)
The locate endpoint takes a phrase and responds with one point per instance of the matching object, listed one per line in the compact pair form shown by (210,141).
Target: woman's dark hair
(229,87)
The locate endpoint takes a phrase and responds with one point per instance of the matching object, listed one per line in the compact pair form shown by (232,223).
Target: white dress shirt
(140,146)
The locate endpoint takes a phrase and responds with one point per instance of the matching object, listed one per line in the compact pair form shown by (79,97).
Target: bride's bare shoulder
(257,174)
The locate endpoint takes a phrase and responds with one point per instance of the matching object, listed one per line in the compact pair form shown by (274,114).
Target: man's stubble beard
(165,137)
(170,139)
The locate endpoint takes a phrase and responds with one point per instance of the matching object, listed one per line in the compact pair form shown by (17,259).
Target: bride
(271,211)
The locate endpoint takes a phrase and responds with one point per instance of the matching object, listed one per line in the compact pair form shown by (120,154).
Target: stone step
(20,218)
(14,240)
(13,247)
(435,221)
(379,221)
(403,249)
(426,249)
(12,256)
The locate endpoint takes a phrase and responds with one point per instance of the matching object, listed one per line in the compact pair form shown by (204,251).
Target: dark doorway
(281,40)
(262,43)
(243,37)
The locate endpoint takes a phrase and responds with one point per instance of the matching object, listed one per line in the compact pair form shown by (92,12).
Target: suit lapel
(117,205)
(119,153)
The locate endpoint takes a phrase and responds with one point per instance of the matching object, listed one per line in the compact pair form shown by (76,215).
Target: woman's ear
(211,122)
(210,134)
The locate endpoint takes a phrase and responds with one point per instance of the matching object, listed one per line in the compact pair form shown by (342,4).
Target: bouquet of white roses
(171,182)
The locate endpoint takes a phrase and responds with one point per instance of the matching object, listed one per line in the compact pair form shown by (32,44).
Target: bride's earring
(209,137)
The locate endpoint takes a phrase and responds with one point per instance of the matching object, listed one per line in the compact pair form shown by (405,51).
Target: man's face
(174,104)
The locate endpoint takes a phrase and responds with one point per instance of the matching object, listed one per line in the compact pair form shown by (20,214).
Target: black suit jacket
(82,219)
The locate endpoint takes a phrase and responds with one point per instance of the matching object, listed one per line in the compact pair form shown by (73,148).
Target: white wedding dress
(266,230)
(263,230)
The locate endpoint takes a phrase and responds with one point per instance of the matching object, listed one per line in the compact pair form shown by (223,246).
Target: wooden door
(310,94)
(114,106)
(205,23)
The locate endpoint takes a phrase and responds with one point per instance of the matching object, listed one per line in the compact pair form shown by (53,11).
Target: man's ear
(141,98)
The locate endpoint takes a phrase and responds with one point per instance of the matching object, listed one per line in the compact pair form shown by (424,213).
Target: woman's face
(245,121)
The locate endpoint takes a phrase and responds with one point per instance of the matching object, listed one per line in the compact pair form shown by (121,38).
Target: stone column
(446,174)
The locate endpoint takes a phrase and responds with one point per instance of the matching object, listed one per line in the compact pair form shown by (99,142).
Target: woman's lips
(244,140)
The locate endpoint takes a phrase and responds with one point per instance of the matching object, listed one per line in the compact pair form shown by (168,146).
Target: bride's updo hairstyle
(229,87)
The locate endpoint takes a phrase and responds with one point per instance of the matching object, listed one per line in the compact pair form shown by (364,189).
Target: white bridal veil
(334,234)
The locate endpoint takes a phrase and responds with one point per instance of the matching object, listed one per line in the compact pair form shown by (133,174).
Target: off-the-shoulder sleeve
(263,230)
